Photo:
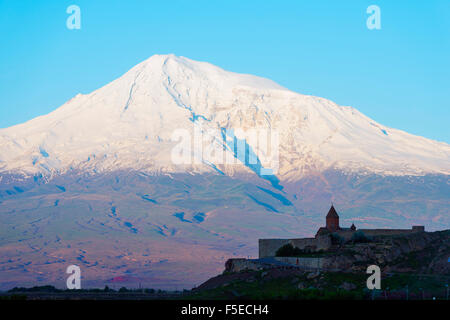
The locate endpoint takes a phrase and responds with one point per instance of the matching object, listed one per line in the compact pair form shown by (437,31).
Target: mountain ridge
(128,123)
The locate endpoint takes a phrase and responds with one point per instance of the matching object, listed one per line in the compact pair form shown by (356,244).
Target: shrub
(108,289)
(360,237)
(35,289)
(336,239)
(288,251)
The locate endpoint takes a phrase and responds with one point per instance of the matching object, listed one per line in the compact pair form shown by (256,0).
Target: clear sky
(399,75)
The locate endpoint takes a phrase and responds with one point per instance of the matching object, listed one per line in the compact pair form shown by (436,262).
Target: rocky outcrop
(426,252)
(417,252)
(238,265)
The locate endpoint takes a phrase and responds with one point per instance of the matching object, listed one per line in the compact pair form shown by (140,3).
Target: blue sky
(398,75)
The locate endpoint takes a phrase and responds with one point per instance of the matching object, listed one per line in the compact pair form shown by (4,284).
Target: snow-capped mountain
(129,123)
(94,183)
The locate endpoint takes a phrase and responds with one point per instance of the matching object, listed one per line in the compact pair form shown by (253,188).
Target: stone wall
(304,243)
(388,232)
(238,265)
(310,264)
(347,234)
(269,247)
(304,263)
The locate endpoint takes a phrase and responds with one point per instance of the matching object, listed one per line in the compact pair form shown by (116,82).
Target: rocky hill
(417,253)
(419,261)
(420,253)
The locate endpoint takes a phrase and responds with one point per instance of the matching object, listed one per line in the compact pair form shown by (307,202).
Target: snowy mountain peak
(129,124)
(180,67)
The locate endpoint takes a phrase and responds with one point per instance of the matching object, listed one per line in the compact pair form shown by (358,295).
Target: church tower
(332,220)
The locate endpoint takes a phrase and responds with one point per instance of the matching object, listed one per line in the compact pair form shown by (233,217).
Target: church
(323,238)
(332,223)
